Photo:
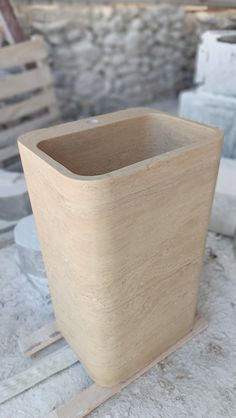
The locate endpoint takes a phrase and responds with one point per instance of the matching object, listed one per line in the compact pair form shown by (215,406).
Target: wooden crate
(121,204)
(27,100)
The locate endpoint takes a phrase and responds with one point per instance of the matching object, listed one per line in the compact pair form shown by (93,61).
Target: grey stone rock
(97,43)
(28,256)
(48,27)
(114,39)
(136,24)
(6,226)
(73,34)
(14,199)
(86,52)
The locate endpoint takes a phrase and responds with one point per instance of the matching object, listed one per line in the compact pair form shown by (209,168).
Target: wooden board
(223,4)
(12,23)
(15,84)
(92,397)
(130,193)
(41,370)
(27,82)
(7,34)
(40,339)
(22,53)
(26,107)
(8,136)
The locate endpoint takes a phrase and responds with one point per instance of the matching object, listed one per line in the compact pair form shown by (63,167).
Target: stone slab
(223,216)
(216,62)
(28,256)
(211,109)
(14,199)
(6,226)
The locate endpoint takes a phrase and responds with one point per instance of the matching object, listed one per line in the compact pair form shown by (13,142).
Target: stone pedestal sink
(122,204)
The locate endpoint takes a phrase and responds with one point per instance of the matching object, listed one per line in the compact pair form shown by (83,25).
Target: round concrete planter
(216,61)
(121,204)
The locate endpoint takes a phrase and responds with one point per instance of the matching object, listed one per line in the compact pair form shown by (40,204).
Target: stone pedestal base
(214,110)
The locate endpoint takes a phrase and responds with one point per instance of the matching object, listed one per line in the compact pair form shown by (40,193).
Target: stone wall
(107,57)
(110,57)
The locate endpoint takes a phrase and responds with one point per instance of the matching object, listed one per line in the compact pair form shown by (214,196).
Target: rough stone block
(223,216)
(216,62)
(29,257)
(14,199)
(211,109)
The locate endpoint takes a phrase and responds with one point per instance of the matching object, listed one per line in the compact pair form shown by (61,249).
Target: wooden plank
(225,4)
(26,81)
(40,339)
(210,3)
(22,53)
(27,107)
(9,136)
(92,397)
(6,31)
(11,21)
(41,370)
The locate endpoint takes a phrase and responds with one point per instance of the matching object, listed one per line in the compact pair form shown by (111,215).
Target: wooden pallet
(26,94)
(90,398)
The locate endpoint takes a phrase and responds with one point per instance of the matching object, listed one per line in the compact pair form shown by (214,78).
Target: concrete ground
(197,381)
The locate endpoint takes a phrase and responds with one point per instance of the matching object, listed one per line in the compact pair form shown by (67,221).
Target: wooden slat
(11,21)
(27,107)
(9,136)
(92,397)
(7,34)
(40,339)
(225,4)
(41,370)
(23,53)
(210,3)
(24,82)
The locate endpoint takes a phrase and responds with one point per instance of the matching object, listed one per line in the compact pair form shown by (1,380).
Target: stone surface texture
(212,109)
(14,199)
(197,381)
(213,101)
(223,216)
(216,63)
(111,56)
(28,255)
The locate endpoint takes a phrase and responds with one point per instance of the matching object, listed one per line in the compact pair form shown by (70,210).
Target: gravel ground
(197,381)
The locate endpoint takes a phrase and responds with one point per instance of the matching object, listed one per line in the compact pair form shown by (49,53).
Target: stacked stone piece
(14,199)
(108,57)
(29,257)
(214,100)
